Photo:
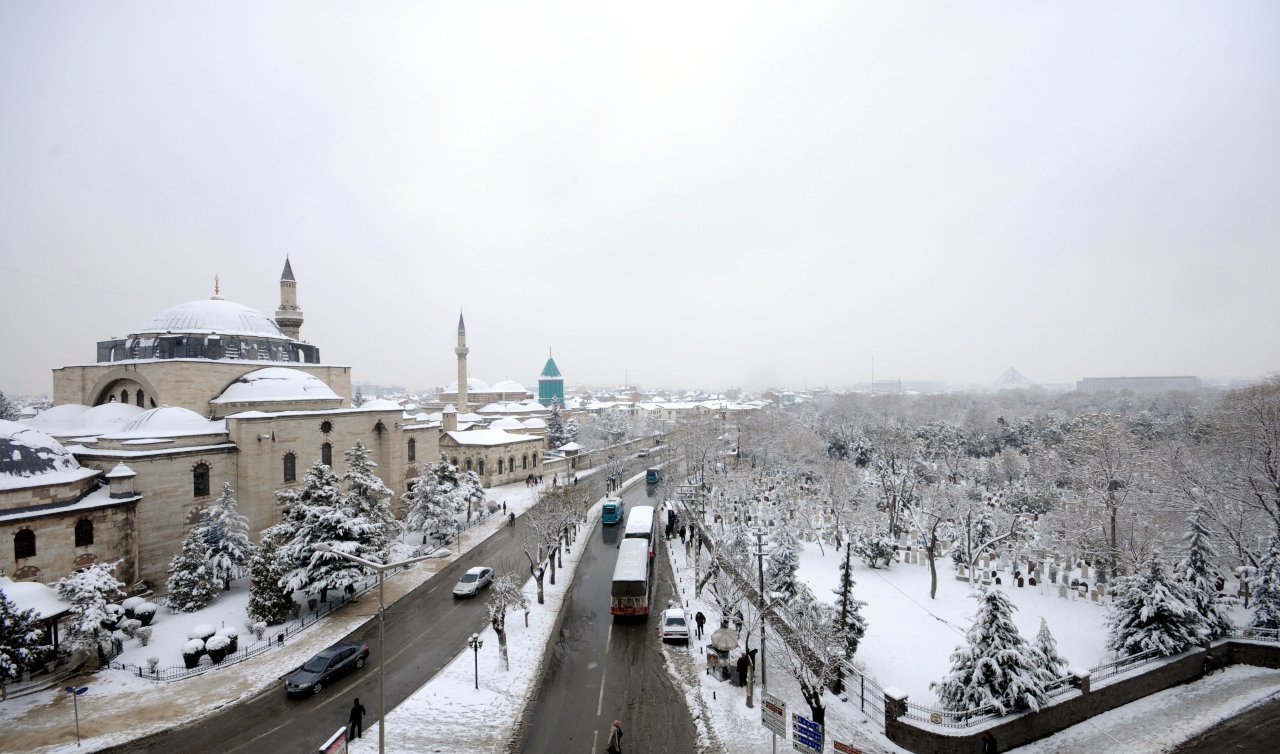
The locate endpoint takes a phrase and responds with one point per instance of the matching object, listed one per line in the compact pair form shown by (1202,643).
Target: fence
(1124,663)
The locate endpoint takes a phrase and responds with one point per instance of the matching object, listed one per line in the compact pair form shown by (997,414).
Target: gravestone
(1062,591)
(1032,581)
(1019,581)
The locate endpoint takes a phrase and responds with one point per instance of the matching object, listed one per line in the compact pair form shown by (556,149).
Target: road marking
(603,670)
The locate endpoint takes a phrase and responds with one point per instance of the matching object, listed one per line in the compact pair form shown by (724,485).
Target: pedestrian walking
(737,621)
(743,665)
(988,743)
(615,738)
(504,506)
(356,727)
(701,620)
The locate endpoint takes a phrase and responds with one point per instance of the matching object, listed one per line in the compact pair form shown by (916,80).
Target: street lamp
(76,693)
(381,569)
(475,642)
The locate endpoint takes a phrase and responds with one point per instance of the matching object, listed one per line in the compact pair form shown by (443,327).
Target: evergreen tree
(555,427)
(1055,665)
(20,635)
(781,563)
(1151,610)
(225,533)
(89,591)
(191,584)
(368,498)
(268,601)
(1194,571)
(1266,589)
(314,514)
(997,667)
(850,625)
(433,499)
(8,410)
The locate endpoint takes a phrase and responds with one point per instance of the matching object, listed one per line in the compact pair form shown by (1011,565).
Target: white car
(473,581)
(674,626)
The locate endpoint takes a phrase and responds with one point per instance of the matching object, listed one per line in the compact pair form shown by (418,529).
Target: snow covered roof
(213,315)
(275,384)
(77,420)
(507,386)
(380,404)
(473,386)
(167,421)
(534,423)
(121,472)
(32,595)
(570,446)
(506,422)
(30,456)
(488,437)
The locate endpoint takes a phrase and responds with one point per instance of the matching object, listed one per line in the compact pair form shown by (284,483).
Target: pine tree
(433,499)
(8,411)
(268,601)
(225,533)
(1152,611)
(369,498)
(1194,571)
(312,514)
(1055,665)
(89,591)
(781,563)
(997,668)
(1266,589)
(20,635)
(850,625)
(191,584)
(556,434)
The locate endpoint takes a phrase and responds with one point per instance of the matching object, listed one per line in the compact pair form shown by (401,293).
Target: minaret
(289,316)
(462,351)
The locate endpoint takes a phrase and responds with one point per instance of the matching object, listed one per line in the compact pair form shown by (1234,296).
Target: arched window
(84,532)
(124,396)
(326,454)
(141,403)
(468,464)
(200,480)
(499,465)
(480,467)
(524,461)
(535,460)
(454,461)
(413,450)
(24,544)
(511,463)
(290,467)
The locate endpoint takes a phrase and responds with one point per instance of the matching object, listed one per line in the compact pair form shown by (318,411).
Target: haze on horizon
(710,195)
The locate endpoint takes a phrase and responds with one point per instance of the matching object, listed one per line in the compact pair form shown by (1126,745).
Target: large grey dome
(209,316)
(26,452)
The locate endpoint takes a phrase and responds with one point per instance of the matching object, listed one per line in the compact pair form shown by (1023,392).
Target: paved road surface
(603,670)
(1257,731)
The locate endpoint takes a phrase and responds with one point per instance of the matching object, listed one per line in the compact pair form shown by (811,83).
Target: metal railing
(1271,635)
(1123,664)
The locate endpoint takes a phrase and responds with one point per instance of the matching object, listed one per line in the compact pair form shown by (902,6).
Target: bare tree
(545,523)
(505,594)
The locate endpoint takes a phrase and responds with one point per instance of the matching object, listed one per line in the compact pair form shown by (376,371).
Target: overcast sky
(680,194)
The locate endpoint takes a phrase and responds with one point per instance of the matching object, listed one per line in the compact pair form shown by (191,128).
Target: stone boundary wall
(1079,705)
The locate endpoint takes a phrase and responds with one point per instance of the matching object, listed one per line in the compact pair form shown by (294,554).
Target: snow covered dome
(534,423)
(167,421)
(379,404)
(274,384)
(473,386)
(506,422)
(27,452)
(507,386)
(208,316)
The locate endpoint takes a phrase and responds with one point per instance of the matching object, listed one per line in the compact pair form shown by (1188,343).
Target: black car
(326,666)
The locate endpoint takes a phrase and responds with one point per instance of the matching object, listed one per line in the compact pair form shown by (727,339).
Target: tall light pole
(381,569)
(475,642)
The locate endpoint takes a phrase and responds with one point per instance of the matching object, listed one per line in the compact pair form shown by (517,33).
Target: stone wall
(56,554)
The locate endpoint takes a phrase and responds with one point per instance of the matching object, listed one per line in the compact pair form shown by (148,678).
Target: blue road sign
(806,735)
(77,691)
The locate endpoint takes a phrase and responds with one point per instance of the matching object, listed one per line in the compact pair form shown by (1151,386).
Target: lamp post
(381,569)
(475,642)
(76,693)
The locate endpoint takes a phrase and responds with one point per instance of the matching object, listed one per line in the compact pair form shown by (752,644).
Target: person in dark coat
(615,738)
(701,620)
(988,743)
(743,665)
(356,728)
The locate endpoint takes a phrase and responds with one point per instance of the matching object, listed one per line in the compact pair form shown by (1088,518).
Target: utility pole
(764,683)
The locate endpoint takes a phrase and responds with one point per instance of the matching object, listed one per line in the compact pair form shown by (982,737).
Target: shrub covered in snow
(146,612)
(191,652)
(217,647)
(259,630)
(152,664)
(202,632)
(143,635)
(88,591)
(130,626)
(130,604)
(232,635)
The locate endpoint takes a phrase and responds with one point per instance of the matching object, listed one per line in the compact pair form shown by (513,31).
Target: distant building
(1137,384)
(550,384)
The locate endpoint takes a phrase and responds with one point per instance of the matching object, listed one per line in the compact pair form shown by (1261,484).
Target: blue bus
(612,511)
(653,475)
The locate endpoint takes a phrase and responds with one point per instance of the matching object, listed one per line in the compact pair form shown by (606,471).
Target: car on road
(325,667)
(613,511)
(473,581)
(674,625)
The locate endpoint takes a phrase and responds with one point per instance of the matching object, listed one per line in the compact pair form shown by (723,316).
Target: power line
(69,284)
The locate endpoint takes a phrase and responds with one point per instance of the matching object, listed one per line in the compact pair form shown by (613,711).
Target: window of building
(200,480)
(84,532)
(24,544)
(413,450)
(290,467)
(326,454)
(326,427)
(124,396)
(511,463)
(468,464)
(141,402)
(524,461)
(454,461)
(534,460)
(499,465)
(480,467)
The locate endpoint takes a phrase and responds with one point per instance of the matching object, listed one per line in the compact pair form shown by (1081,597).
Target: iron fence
(950,718)
(1123,664)
(1271,635)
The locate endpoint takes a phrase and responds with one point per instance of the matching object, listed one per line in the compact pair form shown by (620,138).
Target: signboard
(773,714)
(336,744)
(687,493)
(806,735)
(844,748)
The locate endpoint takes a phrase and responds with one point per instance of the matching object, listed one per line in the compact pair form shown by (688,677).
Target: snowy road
(601,670)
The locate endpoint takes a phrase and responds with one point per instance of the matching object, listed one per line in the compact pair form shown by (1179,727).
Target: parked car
(674,626)
(327,665)
(473,581)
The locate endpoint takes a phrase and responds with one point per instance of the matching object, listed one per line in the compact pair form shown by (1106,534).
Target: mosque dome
(167,421)
(473,386)
(508,386)
(214,315)
(274,384)
(534,423)
(27,452)
(506,422)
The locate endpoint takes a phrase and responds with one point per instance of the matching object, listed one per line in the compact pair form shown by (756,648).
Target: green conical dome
(551,370)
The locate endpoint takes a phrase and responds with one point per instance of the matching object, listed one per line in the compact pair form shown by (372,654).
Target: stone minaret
(289,316)
(462,351)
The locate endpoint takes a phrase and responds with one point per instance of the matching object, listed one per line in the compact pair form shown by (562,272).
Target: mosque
(206,392)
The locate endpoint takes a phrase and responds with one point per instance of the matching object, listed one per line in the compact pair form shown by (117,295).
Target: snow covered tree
(1266,589)
(505,594)
(872,546)
(1151,610)
(20,636)
(268,601)
(781,563)
(997,668)
(435,496)
(225,533)
(191,583)
(368,498)
(89,591)
(812,653)
(1055,665)
(557,430)
(850,625)
(316,513)
(8,411)
(1195,573)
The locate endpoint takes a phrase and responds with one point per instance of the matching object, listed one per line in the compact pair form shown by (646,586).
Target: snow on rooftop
(534,423)
(380,404)
(275,384)
(508,386)
(77,420)
(27,453)
(488,437)
(167,421)
(208,316)
(506,422)
(32,595)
